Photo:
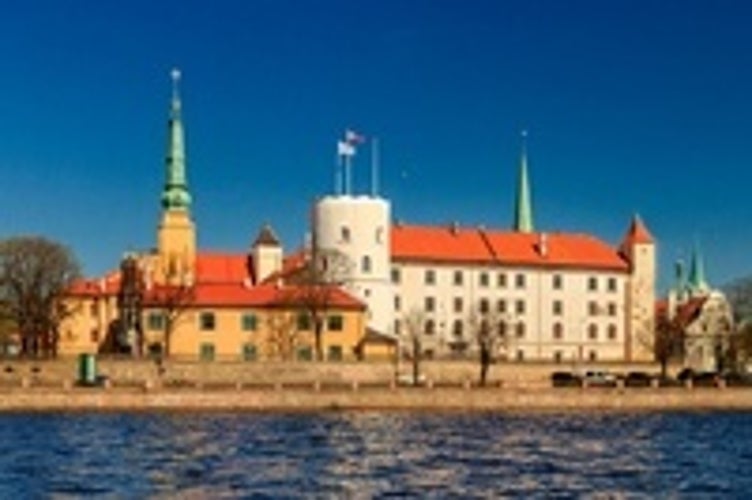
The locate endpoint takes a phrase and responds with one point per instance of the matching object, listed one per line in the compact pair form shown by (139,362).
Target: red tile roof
(458,245)
(222,279)
(637,233)
(686,312)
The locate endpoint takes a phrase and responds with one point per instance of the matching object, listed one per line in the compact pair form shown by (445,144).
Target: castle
(548,296)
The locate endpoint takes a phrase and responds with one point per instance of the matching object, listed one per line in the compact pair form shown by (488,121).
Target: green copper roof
(523,214)
(175,194)
(696,280)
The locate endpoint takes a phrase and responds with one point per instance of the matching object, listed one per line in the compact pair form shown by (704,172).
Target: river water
(367,455)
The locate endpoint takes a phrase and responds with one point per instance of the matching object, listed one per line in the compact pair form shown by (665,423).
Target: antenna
(374,166)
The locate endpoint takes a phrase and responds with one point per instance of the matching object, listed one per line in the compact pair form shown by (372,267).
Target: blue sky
(631,106)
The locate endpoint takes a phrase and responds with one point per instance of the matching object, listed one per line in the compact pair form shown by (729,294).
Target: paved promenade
(374,398)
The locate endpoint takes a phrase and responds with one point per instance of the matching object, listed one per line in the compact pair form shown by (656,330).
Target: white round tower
(357,227)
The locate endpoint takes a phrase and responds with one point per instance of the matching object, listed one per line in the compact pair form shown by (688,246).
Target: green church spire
(696,282)
(523,214)
(175,195)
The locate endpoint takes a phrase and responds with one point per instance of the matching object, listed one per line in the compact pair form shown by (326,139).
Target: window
(305,353)
(335,323)
(612,309)
(379,235)
(519,281)
(612,285)
(501,280)
(501,306)
(428,354)
(345,234)
(249,352)
(557,356)
(395,275)
(248,322)
(334,353)
(593,356)
(558,331)
(430,327)
(457,327)
(155,321)
(430,304)
(397,303)
(304,322)
(458,278)
(502,329)
(93,309)
(592,308)
(207,321)
(483,306)
(365,264)
(592,284)
(458,304)
(520,355)
(612,332)
(397,327)
(519,307)
(94,335)
(430,277)
(558,308)
(483,279)
(593,332)
(207,351)
(557,282)
(520,330)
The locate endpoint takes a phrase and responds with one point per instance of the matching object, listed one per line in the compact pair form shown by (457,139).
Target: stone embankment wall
(135,372)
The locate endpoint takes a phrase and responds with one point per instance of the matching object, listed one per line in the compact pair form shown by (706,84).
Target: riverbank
(399,398)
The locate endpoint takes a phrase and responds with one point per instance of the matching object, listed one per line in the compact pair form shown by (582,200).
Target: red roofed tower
(638,248)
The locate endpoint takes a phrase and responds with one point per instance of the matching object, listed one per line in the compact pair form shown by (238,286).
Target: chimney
(454,227)
(543,245)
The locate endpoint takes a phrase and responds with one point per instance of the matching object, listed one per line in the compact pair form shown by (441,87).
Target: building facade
(183,302)
(550,296)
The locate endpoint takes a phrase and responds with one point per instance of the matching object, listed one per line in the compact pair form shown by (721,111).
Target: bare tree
(414,322)
(170,302)
(739,295)
(34,276)
(282,340)
(490,332)
(667,342)
(317,281)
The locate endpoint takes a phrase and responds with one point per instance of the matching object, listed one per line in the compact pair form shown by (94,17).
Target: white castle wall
(358,227)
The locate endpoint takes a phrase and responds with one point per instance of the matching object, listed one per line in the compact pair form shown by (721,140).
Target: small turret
(697,284)
(266,253)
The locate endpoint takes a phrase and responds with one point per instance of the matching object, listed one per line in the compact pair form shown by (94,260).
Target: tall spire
(697,283)
(523,214)
(175,195)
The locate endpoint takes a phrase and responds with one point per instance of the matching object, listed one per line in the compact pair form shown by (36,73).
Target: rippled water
(364,455)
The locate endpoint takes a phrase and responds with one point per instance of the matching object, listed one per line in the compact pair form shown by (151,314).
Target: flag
(344,148)
(353,137)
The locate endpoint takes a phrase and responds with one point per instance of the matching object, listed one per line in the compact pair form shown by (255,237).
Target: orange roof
(437,243)
(451,244)
(686,312)
(222,267)
(637,233)
(239,295)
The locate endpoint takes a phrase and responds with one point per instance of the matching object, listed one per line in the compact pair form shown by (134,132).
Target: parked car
(565,379)
(638,379)
(705,379)
(734,379)
(598,378)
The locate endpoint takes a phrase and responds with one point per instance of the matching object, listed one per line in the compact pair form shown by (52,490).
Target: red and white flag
(353,137)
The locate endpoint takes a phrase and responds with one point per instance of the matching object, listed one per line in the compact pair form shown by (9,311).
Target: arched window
(457,328)
(430,327)
(366,264)
(520,330)
(558,331)
(612,332)
(502,329)
(345,234)
(379,235)
(593,332)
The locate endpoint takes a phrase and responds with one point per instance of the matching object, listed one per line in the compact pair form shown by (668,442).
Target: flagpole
(374,166)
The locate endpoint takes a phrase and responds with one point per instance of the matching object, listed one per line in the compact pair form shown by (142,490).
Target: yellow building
(182,302)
